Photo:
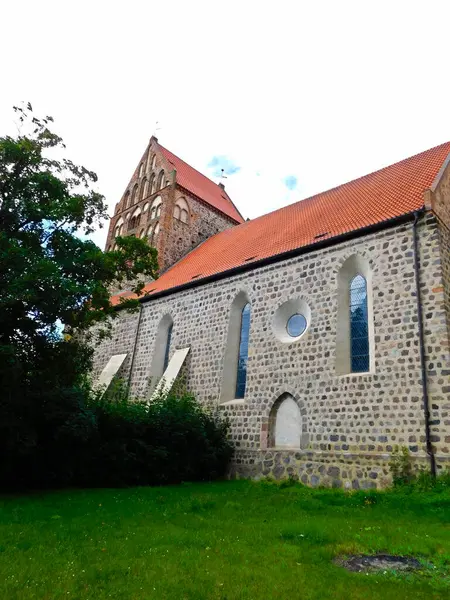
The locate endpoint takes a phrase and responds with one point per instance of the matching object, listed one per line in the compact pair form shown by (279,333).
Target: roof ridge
(389,166)
(190,166)
(341,185)
(367,201)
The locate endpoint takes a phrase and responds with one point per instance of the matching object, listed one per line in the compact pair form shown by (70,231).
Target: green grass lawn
(228,540)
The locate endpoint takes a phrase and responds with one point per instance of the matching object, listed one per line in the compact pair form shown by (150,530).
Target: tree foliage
(48,273)
(51,275)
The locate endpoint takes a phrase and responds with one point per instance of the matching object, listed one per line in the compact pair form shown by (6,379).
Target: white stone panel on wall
(288,424)
(171,373)
(112,367)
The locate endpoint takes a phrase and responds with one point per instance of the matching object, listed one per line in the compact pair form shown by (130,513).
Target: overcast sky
(290,98)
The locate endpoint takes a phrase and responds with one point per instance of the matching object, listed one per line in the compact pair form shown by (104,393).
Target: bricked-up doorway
(285,423)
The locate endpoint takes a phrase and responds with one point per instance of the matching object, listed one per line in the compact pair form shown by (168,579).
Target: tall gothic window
(241,375)
(359,326)
(167,352)
(355,336)
(235,359)
(161,350)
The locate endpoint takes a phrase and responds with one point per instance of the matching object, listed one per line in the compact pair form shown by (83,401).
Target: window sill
(236,401)
(356,375)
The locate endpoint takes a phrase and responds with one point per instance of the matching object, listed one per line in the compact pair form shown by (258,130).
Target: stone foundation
(347,471)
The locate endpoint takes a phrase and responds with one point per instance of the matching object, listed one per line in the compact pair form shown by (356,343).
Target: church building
(320,330)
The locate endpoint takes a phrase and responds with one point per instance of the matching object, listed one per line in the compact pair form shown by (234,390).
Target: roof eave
(394,221)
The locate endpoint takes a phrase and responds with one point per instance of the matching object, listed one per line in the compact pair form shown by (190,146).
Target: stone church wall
(350,423)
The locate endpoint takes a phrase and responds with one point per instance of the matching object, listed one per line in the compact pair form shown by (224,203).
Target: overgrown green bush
(80,438)
(400,466)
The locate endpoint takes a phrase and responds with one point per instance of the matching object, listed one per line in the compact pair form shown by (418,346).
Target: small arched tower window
(135,219)
(285,423)
(152,183)
(119,227)
(161,351)
(355,331)
(152,234)
(126,200)
(154,161)
(161,182)
(236,353)
(181,210)
(155,234)
(141,169)
(134,194)
(144,188)
(155,211)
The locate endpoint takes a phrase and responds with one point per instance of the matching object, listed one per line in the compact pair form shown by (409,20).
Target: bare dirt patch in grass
(379,562)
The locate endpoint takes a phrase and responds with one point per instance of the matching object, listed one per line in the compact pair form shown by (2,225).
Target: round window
(296,325)
(291,320)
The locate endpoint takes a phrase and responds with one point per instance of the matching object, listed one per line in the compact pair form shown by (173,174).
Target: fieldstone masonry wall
(351,422)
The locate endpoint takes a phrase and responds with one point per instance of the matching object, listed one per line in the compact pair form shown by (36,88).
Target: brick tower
(171,204)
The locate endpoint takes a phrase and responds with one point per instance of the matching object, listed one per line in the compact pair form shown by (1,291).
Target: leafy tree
(47,272)
(49,276)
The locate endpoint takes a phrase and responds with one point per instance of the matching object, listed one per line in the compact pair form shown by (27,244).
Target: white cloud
(324,91)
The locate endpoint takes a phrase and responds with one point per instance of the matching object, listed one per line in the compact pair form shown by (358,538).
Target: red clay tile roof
(202,187)
(380,196)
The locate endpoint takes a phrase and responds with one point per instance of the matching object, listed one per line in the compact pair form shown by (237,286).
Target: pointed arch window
(152,186)
(161,180)
(355,327)
(152,234)
(119,227)
(144,188)
(141,169)
(156,208)
(135,220)
(161,349)
(134,194)
(359,326)
(167,352)
(154,161)
(126,200)
(234,378)
(285,423)
(241,375)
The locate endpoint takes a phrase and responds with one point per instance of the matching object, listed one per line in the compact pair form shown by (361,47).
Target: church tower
(171,204)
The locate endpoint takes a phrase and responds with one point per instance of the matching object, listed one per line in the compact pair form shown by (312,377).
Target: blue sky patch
(290,181)
(217,163)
